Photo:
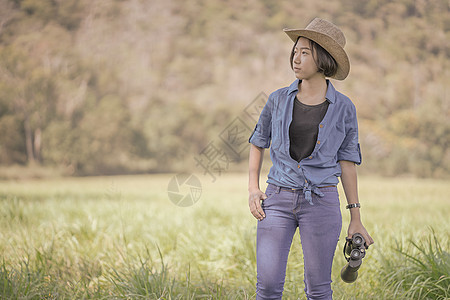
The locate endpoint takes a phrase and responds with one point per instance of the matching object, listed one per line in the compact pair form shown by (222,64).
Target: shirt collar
(331,91)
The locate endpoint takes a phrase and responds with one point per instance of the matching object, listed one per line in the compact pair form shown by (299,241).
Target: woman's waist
(293,190)
(301,181)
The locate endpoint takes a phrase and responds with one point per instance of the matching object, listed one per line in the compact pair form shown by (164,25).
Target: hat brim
(327,43)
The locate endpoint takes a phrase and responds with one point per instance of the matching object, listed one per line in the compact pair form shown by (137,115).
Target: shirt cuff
(258,140)
(354,156)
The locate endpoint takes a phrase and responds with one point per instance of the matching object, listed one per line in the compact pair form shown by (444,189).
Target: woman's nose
(297,58)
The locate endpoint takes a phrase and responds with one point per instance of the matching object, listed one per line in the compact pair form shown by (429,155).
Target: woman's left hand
(356,226)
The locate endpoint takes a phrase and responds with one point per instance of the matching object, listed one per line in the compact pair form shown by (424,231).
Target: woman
(312,132)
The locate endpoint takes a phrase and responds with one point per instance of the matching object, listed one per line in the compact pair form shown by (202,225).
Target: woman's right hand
(255,196)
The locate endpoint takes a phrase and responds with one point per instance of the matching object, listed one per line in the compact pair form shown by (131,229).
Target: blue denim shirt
(337,140)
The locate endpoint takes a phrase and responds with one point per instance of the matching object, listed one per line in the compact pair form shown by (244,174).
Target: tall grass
(121,238)
(144,281)
(420,271)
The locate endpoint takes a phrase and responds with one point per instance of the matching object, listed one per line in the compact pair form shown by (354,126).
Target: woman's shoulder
(281,94)
(344,100)
(344,106)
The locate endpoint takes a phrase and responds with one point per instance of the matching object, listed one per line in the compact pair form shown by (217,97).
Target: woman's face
(303,62)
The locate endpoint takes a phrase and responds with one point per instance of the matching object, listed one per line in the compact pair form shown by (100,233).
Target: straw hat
(330,37)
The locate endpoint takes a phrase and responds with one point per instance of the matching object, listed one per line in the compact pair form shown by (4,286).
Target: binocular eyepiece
(354,252)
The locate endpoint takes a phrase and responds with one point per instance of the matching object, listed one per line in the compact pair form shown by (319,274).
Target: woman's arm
(350,183)
(255,194)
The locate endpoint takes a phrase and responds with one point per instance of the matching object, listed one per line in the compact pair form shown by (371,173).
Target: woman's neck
(312,91)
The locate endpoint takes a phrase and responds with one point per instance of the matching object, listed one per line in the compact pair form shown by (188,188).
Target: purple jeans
(319,226)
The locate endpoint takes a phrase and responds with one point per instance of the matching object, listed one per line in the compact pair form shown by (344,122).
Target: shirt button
(310,157)
(318,142)
(321,125)
(298,166)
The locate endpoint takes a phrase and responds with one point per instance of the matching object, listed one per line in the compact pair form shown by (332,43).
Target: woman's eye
(304,52)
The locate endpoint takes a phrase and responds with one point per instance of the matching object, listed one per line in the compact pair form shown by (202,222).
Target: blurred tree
(33,94)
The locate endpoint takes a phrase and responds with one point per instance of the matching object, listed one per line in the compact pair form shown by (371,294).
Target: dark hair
(324,61)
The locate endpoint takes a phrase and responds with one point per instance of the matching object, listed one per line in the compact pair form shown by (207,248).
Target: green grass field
(121,237)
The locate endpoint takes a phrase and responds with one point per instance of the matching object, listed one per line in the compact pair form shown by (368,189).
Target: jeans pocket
(330,198)
(270,193)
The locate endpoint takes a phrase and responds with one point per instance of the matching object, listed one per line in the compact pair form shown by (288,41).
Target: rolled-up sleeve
(350,149)
(261,136)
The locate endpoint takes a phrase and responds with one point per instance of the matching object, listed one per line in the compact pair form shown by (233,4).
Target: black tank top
(304,128)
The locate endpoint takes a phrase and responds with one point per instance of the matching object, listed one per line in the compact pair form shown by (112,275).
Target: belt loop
(277,190)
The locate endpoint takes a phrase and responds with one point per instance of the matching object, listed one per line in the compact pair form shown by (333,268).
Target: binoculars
(354,252)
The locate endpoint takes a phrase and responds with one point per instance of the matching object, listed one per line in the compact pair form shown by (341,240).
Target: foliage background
(129,86)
